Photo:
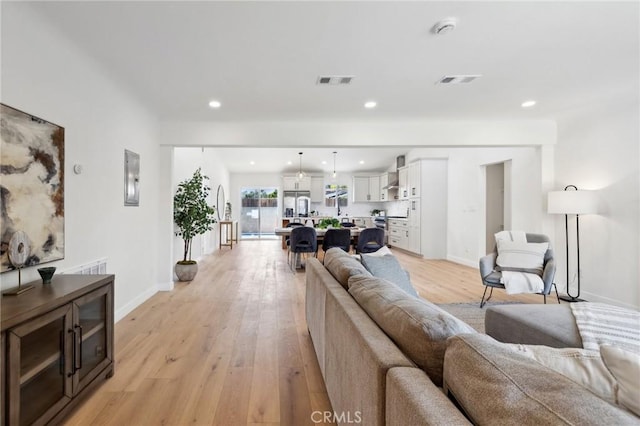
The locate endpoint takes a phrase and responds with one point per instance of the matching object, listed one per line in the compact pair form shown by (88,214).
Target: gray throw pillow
(388,268)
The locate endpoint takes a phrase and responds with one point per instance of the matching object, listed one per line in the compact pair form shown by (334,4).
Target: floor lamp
(572,201)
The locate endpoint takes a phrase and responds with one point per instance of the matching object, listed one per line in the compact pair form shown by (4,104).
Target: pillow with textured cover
(521,257)
(495,385)
(419,328)
(342,265)
(580,365)
(389,268)
(625,367)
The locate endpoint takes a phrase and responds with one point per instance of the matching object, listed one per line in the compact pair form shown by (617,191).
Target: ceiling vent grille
(335,80)
(458,79)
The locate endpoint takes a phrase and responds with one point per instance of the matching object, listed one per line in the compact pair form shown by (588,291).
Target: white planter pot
(186,272)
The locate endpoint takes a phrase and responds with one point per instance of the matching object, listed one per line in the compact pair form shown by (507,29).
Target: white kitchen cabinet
(398,233)
(366,189)
(384,181)
(360,189)
(317,189)
(414,225)
(403,183)
(374,188)
(414,179)
(292,183)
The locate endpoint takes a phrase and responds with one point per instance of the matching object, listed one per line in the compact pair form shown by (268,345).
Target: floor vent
(458,79)
(97,267)
(334,80)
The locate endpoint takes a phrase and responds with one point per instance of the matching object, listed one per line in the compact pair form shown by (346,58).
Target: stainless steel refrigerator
(296,203)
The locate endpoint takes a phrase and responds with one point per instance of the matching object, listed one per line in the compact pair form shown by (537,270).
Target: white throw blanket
(521,282)
(518,282)
(599,323)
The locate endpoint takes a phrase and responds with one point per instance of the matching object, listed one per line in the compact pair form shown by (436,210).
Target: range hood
(395,183)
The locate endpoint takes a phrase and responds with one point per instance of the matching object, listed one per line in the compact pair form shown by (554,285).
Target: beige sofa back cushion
(342,265)
(419,328)
(496,385)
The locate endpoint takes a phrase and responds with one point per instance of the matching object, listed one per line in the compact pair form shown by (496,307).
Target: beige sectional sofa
(387,357)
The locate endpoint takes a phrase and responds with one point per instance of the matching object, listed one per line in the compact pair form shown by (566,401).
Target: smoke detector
(445,26)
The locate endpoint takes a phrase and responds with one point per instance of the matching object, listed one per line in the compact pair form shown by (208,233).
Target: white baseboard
(591,297)
(165,286)
(462,261)
(139,300)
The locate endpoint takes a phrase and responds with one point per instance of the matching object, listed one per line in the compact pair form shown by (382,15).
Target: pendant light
(334,165)
(301,174)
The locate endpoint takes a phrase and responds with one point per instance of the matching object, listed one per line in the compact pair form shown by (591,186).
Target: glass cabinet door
(39,372)
(93,319)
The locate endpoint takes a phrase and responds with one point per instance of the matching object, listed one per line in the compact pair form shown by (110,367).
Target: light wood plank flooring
(232,347)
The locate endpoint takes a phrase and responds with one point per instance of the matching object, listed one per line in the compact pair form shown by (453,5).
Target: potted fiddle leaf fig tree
(192,216)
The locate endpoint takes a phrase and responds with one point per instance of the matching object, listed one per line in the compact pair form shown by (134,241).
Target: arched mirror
(220,202)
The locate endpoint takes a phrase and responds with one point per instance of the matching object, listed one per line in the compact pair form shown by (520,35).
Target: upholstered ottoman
(549,325)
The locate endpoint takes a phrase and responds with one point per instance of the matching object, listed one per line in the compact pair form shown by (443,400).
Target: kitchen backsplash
(391,208)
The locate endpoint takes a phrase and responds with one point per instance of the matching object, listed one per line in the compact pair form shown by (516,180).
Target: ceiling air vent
(457,79)
(335,80)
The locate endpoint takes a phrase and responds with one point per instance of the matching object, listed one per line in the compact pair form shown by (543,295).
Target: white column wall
(598,149)
(466,194)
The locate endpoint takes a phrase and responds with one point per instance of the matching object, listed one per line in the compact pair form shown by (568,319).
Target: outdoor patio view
(259,213)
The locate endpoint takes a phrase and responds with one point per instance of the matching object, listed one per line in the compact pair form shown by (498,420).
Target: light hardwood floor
(232,347)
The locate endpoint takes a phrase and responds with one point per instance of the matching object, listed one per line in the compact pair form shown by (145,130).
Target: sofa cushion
(625,367)
(342,265)
(495,385)
(388,268)
(419,328)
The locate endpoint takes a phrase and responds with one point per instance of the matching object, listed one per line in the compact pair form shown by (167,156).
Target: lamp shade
(572,202)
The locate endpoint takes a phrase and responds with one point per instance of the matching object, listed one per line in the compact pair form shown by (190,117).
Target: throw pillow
(495,385)
(382,251)
(419,328)
(389,268)
(521,257)
(580,365)
(625,367)
(342,265)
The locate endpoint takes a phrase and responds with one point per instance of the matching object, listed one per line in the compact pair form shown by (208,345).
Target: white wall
(466,195)
(185,163)
(45,75)
(374,133)
(598,149)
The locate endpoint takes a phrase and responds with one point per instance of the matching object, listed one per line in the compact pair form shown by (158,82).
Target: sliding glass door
(259,212)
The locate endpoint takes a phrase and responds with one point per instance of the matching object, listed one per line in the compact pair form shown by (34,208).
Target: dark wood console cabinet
(56,346)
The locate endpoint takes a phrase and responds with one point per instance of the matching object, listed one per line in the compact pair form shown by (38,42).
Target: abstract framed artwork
(31,186)
(131,178)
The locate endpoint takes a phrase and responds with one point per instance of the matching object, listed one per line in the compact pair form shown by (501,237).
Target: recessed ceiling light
(370,104)
(252,162)
(361,161)
(324,162)
(215,104)
(289,163)
(528,104)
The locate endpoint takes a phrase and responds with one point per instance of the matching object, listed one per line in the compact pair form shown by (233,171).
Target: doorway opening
(259,213)
(495,203)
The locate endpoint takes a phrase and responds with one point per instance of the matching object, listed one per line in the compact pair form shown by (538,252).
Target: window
(333,192)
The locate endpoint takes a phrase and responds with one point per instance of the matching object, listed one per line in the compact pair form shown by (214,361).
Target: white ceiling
(261,59)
